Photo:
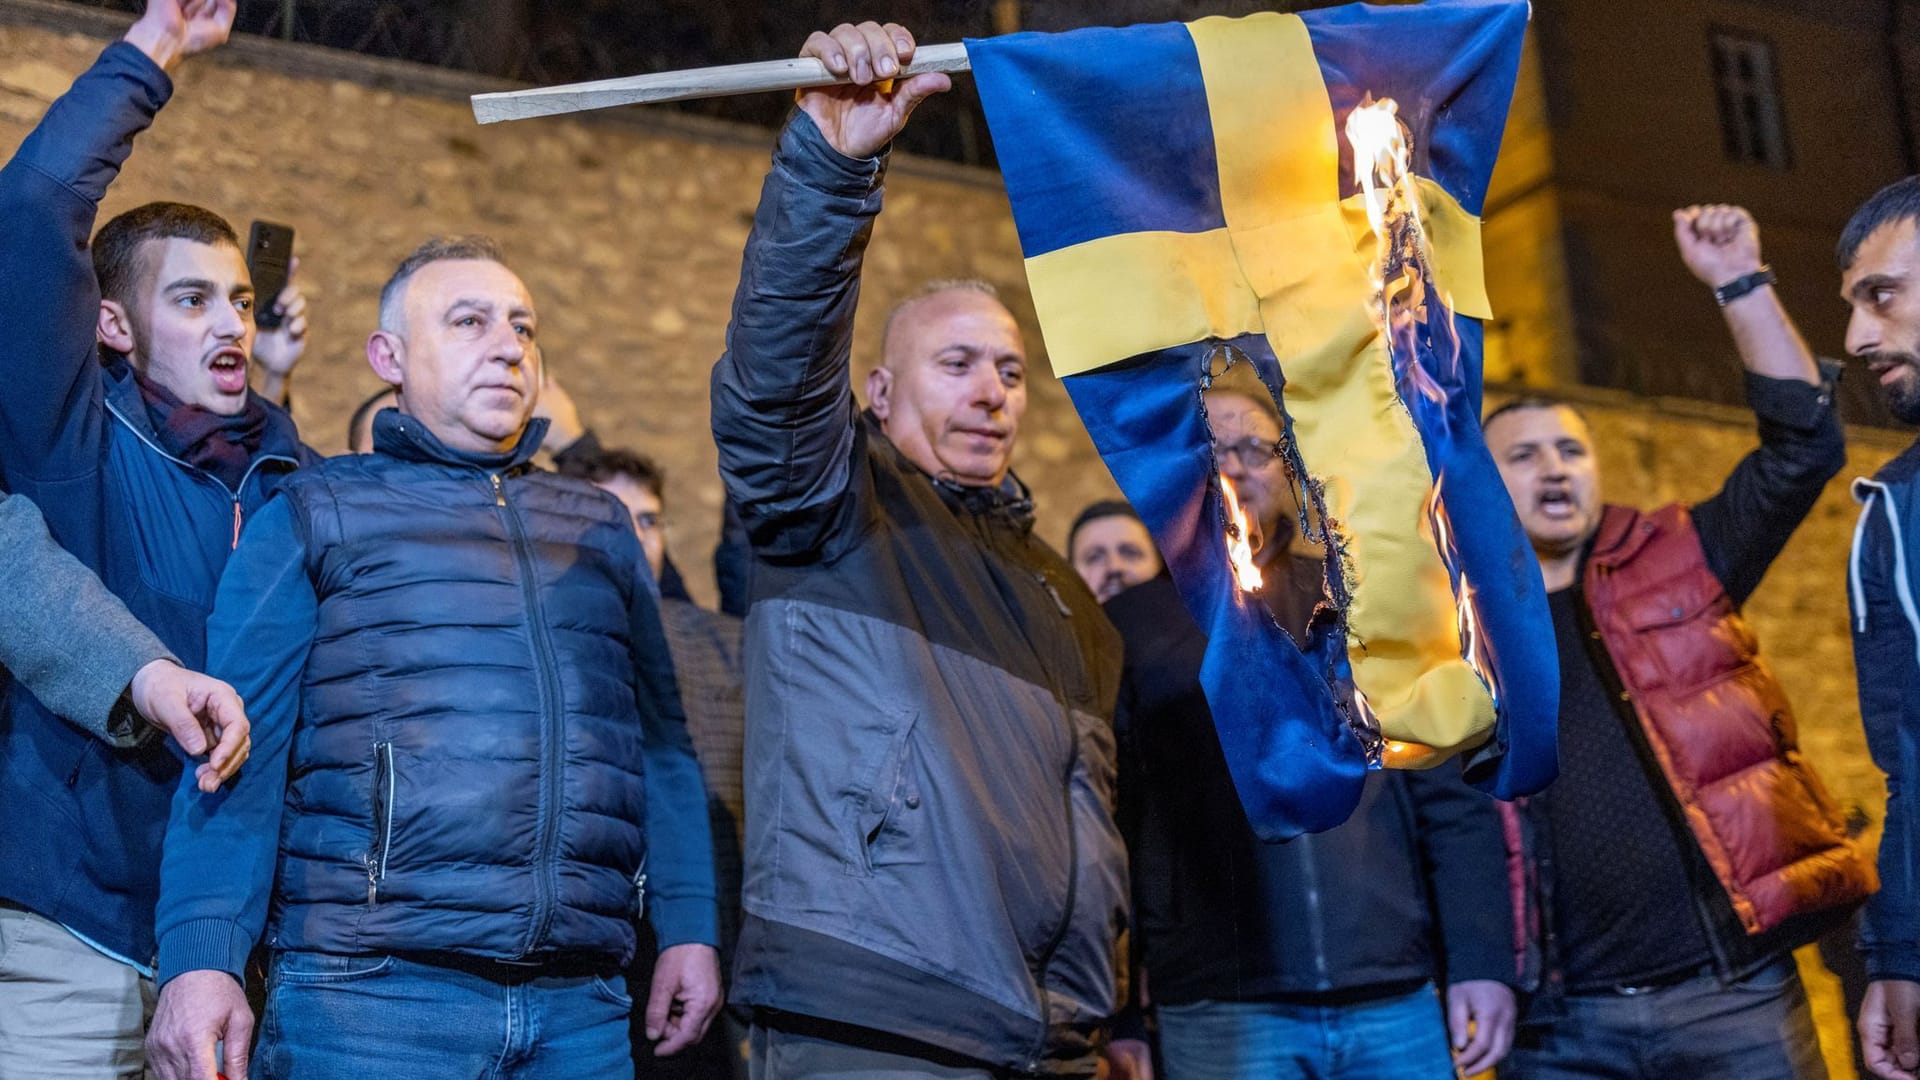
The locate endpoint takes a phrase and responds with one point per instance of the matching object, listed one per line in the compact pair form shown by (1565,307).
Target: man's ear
(880,392)
(387,355)
(115,327)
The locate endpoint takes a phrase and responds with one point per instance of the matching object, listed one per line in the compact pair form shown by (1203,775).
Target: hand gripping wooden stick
(799,73)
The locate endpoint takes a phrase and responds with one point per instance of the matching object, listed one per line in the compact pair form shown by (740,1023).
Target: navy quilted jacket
(463,699)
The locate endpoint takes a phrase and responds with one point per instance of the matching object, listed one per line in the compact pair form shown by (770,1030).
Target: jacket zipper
(552,755)
(1073,898)
(1073,833)
(233,493)
(1059,602)
(1316,926)
(383,808)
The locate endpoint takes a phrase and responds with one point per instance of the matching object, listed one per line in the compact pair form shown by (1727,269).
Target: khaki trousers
(66,1011)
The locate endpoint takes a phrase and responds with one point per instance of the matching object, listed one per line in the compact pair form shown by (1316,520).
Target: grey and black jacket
(930,845)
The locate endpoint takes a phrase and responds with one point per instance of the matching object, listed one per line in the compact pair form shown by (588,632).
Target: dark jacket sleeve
(1130,1021)
(733,562)
(217,866)
(783,407)
(65,637)
(1463,854)
(1745,526)
(51,414)
(680,890)
(1887,658)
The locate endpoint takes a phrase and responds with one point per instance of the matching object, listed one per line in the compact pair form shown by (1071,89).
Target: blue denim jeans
(353,1017)
(1395,1038)
(1759,1028)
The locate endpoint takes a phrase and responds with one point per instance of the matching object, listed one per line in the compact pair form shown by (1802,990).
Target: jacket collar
(1624,532)
(1619,537)
(1012,500)
(1903,468)
(398,435)
(280,440)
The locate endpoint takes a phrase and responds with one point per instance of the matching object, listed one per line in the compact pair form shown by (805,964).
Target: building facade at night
(1630,108)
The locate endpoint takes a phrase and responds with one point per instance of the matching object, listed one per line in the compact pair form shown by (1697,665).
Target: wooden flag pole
(798,73)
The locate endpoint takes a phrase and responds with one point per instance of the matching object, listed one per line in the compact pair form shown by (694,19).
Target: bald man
(934,880)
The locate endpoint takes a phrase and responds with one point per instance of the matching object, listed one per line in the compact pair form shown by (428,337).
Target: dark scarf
(221,446)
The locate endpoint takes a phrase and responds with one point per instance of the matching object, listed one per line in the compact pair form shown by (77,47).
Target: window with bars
(1752,126)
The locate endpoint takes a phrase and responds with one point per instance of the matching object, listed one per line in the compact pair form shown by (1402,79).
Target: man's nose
(232,322)
(1863,334)
(989,392)
(511,349)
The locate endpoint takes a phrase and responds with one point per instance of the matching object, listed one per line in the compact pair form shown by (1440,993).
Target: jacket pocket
(877,833)
(312,967)
(1687,640)
(382,846)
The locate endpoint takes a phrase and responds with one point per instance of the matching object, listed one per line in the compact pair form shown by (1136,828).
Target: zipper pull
(499,493)
(236,525)
(1058,602)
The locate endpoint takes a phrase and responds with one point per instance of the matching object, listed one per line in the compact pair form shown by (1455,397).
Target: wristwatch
(1742,285)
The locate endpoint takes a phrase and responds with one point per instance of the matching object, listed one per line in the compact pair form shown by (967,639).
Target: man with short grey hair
(474,770)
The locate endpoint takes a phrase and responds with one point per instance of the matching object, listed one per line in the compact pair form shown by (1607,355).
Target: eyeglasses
(1251,452)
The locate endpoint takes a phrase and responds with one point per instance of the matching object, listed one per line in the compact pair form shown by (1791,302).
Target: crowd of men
(472,788)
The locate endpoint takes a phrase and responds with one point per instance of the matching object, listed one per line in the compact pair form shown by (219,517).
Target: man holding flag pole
(935,886)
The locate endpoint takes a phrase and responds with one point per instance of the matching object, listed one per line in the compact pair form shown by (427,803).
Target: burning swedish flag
(1300,193)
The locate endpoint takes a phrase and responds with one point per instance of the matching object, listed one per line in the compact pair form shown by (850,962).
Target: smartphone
(269,252)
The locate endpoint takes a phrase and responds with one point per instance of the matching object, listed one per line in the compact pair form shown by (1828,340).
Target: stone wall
(629,230)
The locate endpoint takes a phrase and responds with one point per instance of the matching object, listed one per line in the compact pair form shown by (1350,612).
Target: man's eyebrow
(1873,281)
(182,284)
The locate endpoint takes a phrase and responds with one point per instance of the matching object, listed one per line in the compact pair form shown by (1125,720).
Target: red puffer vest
(1718,722)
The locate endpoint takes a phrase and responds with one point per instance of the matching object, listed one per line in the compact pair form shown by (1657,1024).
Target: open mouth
(229,367)
(1557,504)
